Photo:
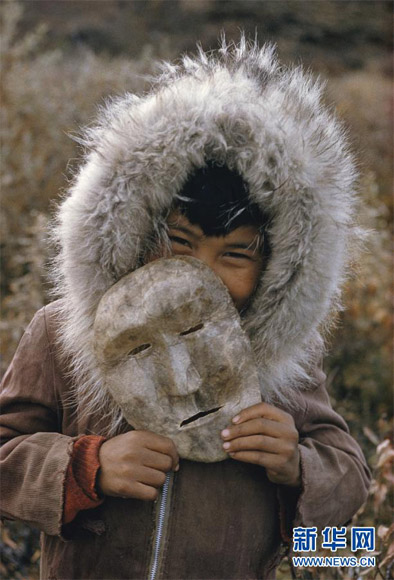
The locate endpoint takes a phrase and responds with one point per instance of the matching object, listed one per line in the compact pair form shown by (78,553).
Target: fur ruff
(236,106)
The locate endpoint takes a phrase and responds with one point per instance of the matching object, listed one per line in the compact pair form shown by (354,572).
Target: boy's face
(235,258)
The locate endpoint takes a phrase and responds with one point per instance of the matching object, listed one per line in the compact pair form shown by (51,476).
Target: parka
(238,107)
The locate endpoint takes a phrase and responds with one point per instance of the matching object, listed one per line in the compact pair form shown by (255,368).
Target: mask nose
(186,378)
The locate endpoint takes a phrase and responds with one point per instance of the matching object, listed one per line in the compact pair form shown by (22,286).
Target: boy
(233,161)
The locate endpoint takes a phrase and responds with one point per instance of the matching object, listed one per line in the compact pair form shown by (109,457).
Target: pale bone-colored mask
(173,354)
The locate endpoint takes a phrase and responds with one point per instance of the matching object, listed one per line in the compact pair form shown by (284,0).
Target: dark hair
(216,198)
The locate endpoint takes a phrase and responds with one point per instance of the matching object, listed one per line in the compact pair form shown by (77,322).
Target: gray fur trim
(236,106)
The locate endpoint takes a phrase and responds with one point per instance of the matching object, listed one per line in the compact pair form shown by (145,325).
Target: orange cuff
(80,484)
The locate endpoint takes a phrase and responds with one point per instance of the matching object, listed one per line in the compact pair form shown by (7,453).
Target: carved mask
(173,354)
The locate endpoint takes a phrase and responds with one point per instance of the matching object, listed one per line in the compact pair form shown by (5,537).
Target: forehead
(242,234)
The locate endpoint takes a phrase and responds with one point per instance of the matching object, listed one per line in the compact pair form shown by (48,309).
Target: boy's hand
(135,464)
(267,436)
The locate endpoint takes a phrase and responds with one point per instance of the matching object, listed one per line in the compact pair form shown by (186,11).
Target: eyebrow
(252,246)
(242,246)
(185,230)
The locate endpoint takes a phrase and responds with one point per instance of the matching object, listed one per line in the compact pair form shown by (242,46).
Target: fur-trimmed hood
(236,106)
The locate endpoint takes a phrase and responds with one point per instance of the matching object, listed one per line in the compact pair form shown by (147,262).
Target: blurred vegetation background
(60,59)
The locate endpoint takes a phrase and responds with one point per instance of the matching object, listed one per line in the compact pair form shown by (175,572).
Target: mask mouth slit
(198,416)
(192,329)
(139,349)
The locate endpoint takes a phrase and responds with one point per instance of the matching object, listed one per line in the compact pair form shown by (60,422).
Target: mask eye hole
(192,329)
(139,349)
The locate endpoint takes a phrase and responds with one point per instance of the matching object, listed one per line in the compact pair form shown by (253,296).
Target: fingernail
(226,445)
(225,432)
(177,468)
(236,419)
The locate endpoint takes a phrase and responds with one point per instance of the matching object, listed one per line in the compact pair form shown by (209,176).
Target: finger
(260,426)
(254,443)
(148,476)
(139,490)
(162,444)
(156,460)
(263,410)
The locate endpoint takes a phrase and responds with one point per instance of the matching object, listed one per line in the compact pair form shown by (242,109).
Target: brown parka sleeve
(334,475)
(34,453)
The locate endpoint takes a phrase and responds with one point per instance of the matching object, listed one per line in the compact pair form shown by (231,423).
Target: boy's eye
(237,255)
(181,241)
